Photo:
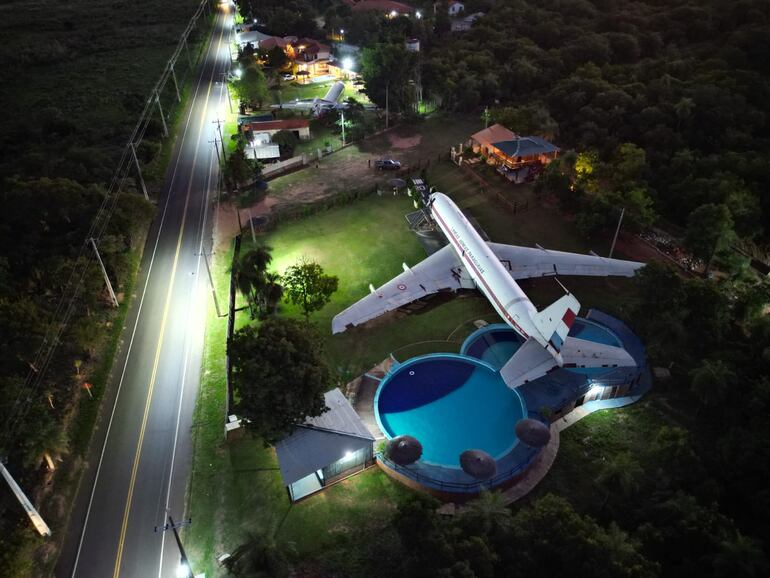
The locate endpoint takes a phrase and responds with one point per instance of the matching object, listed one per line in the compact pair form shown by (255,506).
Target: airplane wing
(440,271)
(526,262)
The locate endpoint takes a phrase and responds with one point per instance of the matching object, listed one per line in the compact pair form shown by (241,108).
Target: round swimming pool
(450,404)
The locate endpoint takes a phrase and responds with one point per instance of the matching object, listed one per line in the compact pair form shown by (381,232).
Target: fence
(486,190)
(231,326)
(275,169)
(468,487)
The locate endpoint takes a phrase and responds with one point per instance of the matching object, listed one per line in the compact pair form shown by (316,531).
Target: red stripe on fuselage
(461,253)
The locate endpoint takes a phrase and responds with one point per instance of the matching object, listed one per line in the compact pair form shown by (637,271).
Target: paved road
(141,456)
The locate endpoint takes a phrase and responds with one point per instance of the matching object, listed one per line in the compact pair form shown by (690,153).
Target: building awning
(525,146)
(322,440)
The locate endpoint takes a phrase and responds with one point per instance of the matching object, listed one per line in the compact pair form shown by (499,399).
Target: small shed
(324,449)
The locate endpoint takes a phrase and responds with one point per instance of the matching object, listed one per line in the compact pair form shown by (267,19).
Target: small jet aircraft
(469,262)
(330,101)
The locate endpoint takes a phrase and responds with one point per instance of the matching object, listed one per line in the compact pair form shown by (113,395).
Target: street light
(418,14)
(238,73)
(183,571)
(347,64)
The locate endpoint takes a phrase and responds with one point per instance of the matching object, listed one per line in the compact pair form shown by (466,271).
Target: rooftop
(525,146)
(287,124)
(494,133)
(322,440)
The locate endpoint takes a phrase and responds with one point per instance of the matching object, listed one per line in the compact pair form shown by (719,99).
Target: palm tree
(249,273)
(47,441)
(261,556)
(740,556)
(487,515)
(710,381)
(271,292)
(621,471)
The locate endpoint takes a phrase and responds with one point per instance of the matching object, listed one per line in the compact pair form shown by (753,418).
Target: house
(481,142)
(299,126)
(518,158)
(324,449)
(311,58)
(388,7)
(253,37)
(455,8)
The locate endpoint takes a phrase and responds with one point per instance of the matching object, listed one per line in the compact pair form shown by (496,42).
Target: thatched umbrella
(478,464)
(533,433)
(397,183)
(403,450)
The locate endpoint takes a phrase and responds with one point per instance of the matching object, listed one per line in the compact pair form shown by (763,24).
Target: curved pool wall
(451,403)
(491,347)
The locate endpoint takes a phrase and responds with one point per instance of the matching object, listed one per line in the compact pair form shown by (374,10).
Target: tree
(261,556)
(286,141)
(709,227)
(486,516)
(711,380)
(251,275)
(251,87)
(271,292)
(307,286)
(388,68)
(621,471)
(279,376)
(740,557)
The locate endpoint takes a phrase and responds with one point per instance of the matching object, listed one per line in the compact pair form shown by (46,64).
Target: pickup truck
(387,165)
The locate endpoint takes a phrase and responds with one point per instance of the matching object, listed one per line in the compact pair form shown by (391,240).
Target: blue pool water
(451,404)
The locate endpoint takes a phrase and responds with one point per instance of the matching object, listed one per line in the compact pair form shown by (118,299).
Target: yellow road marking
(148,403)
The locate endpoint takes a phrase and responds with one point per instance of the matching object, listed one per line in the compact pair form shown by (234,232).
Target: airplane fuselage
(489,275)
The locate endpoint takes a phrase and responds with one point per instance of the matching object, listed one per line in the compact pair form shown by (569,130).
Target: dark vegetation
(76,76)
(665,105)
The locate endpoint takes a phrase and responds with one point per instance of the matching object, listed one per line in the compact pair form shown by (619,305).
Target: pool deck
(365,390)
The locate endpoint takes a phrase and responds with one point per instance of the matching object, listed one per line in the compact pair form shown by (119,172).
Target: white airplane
(469,262)
(329,101)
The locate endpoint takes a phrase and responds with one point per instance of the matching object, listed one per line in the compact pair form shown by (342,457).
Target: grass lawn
(236,486)
(294,91)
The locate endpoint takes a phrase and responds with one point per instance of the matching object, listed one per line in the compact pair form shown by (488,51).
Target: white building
(455,8)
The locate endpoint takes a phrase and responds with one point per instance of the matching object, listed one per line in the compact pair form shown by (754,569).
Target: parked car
(287,76)
(387,165)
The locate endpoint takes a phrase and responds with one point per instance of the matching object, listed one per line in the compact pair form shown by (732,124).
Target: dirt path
(352,168)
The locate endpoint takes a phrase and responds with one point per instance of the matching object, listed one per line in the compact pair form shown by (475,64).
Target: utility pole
(218,122)
(211,282)
(139,171)
(104,272)
(162,118)
(184,564)
(227,88)
(387,110)
(620,220)
(36,519)
(251,224)
(216,147)
(176,86)
(342,115)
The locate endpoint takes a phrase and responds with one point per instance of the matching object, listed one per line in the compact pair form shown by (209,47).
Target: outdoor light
(418,14)
(347,63)
(342,31)
(182,571)
(238,72)
(393,13)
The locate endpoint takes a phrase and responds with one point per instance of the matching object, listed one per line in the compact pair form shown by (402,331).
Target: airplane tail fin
(554,321)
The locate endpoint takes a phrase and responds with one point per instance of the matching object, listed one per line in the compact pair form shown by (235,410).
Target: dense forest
(76,77)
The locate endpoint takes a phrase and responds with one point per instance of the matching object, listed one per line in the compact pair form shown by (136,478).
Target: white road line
(191,301)
(139,312)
